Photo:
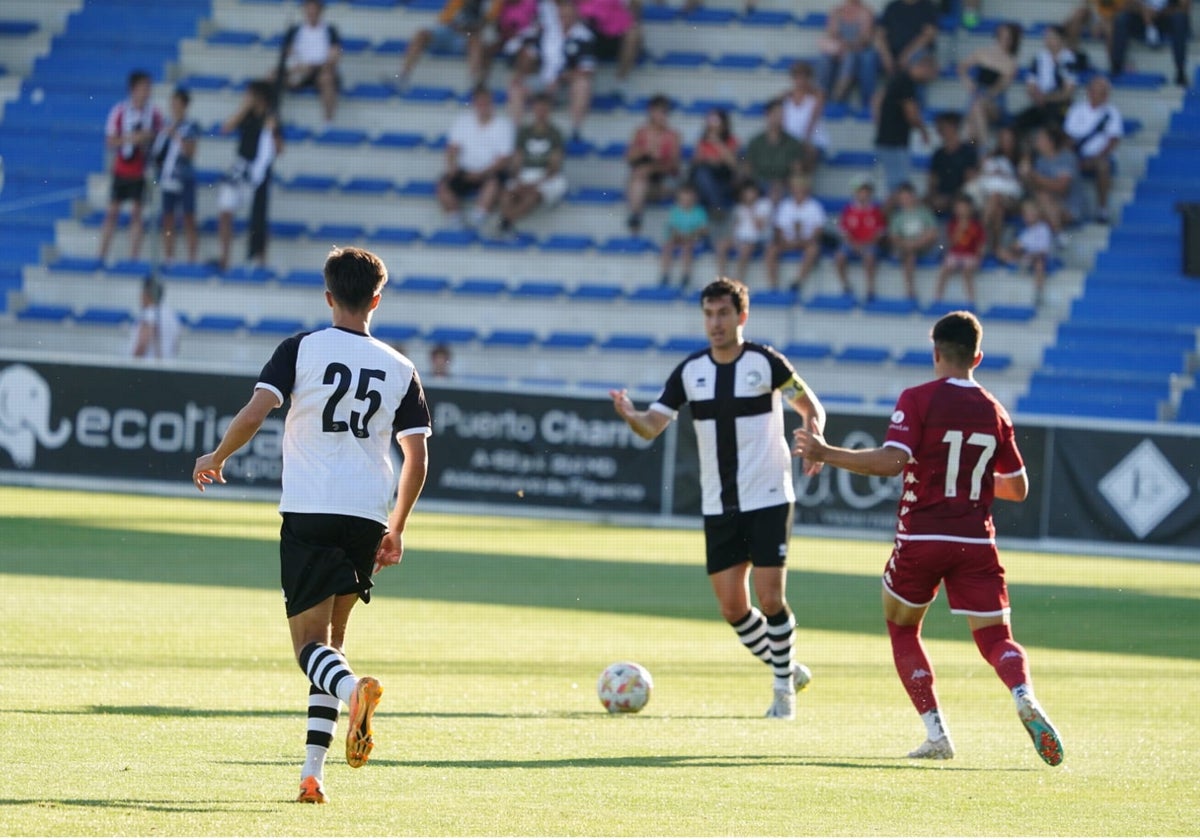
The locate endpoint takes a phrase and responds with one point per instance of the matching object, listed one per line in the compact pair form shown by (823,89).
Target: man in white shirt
(799,222)
(1095,127)
(156,333)
(478,153)
(309,57)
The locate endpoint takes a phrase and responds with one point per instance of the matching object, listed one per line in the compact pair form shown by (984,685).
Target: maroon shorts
(972,572)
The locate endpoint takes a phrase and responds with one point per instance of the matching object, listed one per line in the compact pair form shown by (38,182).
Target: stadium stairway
(576,289)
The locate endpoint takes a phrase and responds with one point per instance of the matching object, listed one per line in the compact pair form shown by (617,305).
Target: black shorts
(465,185)
(324,554)
(608,47)
(128,189)
(760,536)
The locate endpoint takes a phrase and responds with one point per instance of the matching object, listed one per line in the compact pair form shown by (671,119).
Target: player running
(956,447)
(350,396)
(736,390)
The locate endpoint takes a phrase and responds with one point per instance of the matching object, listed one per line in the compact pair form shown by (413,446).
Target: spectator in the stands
(907,32)
(440,360)
(862,226)
(900,115)
(129,131)
(803,116)
(618,33)
(309,56)
(1052,179)
(562,50)
(1153,20)
(248,180)
(1095,16)
(459,29)
(953,164)
(996,188)
(1030,251)
(155,333)
(479,151)
(1095,127)
(799,226)
(1050,84)
(912,232)
(848,53)
(773,156)
(538,167)
(987,74)
(964,249)
(506,21)
(174,154)
(653,156)
(714,163)
(753,222)
(687,225)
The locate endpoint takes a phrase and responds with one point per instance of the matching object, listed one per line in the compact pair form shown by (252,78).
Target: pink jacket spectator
(610,18)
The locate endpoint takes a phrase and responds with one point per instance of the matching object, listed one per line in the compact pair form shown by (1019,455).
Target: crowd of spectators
(990,171)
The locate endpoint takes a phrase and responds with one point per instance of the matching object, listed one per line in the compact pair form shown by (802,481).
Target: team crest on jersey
(897,417)
(754,379)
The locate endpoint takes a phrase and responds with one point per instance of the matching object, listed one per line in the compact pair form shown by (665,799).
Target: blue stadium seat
(772,298)
(568,341)
(429,284)
(628,245)
(368,186)
(341,137)
(684,344)
(540,289)
(570,243)
(233,38)
(1189,406)
(832,303)
(135,268)
(655,294)
(597,291)
(399,140)
(451,335)
(248,274)
(481,286)
(303,277)
(277,327)
(219,323)
(808,351)
(84,265)
(395,332)
(915,358)
(396,235)
(451,238)
(186,271)
(49,313)
(1007,312)
(370,90)
(995,361)
(103,317)
(510,338)
(738,61)
(337,234)
(627,341)
(863,354)
(286,229)
(319,183)
(682,58)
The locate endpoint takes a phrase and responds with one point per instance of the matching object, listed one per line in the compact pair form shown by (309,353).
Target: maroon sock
(1002,653)
(912,664)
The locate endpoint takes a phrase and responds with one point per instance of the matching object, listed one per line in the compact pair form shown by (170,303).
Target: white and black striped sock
(328,670)
(752,632)
(322,722)
(779,634)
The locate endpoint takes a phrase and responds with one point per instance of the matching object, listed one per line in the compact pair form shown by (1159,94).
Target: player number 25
(987,444)
(341,377)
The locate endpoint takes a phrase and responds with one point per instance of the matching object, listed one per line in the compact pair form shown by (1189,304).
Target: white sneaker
(801,676)
(1041,731)
(784,707)
(938,750)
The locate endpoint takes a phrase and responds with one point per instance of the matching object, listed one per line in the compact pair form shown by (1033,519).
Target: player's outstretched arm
(241,429)
(882,460)
(408,490)
(645,424)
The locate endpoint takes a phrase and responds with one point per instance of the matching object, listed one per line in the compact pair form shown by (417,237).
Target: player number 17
(987,444)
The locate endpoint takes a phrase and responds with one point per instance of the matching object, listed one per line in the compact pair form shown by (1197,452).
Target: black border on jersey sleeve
(782,371)
(280,371)
(673,394)
(413,411)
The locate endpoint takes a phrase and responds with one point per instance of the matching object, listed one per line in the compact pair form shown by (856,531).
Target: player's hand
(206,471)
(390,551)
(621,402)
(809,445)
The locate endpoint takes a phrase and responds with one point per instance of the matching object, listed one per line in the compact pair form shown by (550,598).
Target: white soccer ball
(624,687)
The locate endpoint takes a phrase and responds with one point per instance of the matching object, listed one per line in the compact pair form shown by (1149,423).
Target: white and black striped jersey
(351,394)
(737,411)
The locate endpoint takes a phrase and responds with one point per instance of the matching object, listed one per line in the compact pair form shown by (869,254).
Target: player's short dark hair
(735,290)
(153,289)
(951,118)
(183,95)
(659,100)
(957,336)
(136,78)
(353,276)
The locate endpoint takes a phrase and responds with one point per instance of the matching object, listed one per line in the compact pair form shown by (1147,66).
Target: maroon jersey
(958,437)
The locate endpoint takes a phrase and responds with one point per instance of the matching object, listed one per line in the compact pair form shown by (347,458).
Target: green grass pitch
(147,688)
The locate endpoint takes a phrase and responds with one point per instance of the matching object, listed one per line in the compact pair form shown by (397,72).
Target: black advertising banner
(127,423)
(838,499)
(560,452)
(1125,487)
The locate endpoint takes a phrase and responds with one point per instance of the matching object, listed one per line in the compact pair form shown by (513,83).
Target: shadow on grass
(669,761)
(1081,617)
(167,806)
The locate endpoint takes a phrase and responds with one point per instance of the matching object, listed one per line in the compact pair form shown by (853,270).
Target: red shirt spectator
(965,238)
(863,225)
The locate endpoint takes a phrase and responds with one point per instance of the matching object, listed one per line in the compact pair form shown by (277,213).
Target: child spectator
(1031,250)
(862,225)
(687,225)
(752,217)
(537,162)
(912,231)
(953,164)
(799,225)
(440,360)
(714,163)
(964,249)
(653,158)
(174,153)
(130,129)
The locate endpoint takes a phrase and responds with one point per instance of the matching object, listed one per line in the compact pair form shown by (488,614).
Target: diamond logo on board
(1144,488)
